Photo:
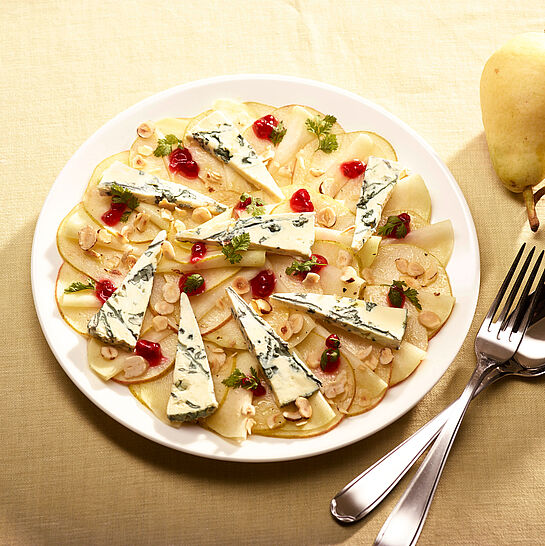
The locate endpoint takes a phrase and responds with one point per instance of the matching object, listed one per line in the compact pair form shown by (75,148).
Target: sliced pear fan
(438,239)
(368,252)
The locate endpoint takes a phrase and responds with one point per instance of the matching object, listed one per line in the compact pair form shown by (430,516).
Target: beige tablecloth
(69,473)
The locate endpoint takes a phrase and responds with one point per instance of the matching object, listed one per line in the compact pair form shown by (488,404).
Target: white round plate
(354,113)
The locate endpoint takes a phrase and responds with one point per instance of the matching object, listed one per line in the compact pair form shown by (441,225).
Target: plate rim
(157,97)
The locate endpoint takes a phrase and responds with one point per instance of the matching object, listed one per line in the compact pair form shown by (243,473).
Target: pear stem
(530,203)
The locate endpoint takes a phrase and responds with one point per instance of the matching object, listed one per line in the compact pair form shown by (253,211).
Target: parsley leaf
(394,227)
(193,283)
(302,267)
(238,379)
(321,128)
(239,242)
(398,289)
(278,133)
(164,145)
(254,207)
(78,286)
(122,195)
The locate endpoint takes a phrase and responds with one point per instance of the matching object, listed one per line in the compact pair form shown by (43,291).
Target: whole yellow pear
(513,110)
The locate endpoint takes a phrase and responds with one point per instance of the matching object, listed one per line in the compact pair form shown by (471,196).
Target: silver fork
(367,490)
(497,341)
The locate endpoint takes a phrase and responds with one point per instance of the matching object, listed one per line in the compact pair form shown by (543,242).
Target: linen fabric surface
(72,475)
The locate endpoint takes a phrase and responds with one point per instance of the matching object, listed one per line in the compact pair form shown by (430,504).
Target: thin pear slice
(232,420)
(323,171)
(103,261)
(323,418)
(227,335)
(436,238)
(338,386)
(141,154)
(406,360)
(329,212)
(155,395)
(108,369)
(212,279)
(384,269)
(417,222)
(297,136)
(76,308)
(167,339)
(368,252)
(410,194)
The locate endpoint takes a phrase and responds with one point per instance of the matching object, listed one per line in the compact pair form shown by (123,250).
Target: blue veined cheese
(378,183)
(119,320)
(286,233)
(151,189)
(385,325)
(218,135)
(286,373)
(192,394)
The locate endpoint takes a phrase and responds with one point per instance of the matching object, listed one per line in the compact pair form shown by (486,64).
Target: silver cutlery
(365,492)
(497,341)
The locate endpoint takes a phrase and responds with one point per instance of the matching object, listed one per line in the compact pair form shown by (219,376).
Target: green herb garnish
(278,134)
(398,290)
(231,250)
(122,195)
(255,208)
(193,283)
(165,145)
(302,267)
(327,142)
(394,226)
(239,379)
(78,286)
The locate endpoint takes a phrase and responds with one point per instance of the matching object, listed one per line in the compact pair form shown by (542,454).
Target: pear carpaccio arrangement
(255,270)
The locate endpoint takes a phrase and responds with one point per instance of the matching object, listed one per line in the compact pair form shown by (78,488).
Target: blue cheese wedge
(286,233)
(218,135)
(151,189)
(119,320)
(287,374)
(380,178)
(192,394)
(385,325)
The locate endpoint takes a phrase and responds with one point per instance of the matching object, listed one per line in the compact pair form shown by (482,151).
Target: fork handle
(367,490)
(403,526)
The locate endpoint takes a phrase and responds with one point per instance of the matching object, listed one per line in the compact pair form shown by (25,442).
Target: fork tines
(508,317)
